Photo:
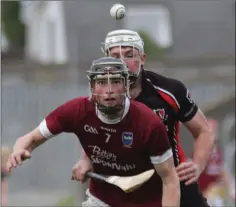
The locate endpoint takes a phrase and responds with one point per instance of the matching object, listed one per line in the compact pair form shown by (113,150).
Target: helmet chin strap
(117,117)
(109,110)
(111,113)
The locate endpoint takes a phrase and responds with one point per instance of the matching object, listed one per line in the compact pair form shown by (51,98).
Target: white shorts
(92,201)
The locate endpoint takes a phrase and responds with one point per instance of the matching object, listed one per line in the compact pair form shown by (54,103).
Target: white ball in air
(118,11)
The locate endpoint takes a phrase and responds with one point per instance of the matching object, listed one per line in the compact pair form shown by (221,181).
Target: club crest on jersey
(127,139)
(161,113)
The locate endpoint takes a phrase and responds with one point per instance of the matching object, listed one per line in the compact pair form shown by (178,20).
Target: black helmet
(107,64)
(108,67)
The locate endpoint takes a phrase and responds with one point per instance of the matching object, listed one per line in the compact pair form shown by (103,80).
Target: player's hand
(80,169)
(16,158)
(188,172)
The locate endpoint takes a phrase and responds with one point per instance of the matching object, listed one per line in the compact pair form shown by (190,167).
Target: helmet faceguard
(125,38)
(109,73)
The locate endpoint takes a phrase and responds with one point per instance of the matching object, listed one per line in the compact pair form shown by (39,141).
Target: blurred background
(47,46)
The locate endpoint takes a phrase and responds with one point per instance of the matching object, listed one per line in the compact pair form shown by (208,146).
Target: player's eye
(101,82)
(115,55)
(117,81)
(129,55)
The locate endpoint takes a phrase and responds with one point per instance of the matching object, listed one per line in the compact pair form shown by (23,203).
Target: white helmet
(119,38)
(123,38)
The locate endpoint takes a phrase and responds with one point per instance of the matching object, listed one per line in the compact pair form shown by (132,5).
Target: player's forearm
(23,143)
(171,193)
(83,155)
(29,141)
(202,150)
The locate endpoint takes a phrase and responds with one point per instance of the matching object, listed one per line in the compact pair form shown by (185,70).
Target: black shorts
(191,196)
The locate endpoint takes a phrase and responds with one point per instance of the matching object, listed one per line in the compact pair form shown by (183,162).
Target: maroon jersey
(125,148)
(213,170)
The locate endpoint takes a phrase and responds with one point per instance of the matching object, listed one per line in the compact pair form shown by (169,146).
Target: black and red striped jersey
(171,101)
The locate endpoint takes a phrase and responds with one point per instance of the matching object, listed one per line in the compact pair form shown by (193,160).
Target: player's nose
(108,90)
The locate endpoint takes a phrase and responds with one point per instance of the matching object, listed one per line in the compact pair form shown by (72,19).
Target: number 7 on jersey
(108,136)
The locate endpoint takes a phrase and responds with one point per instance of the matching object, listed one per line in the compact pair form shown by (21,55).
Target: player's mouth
(110,100)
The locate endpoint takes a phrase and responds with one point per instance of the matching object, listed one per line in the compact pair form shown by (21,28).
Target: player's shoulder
(141,111)
(80,107)
(145,120)
(77,102)
(81,104)
(161,82)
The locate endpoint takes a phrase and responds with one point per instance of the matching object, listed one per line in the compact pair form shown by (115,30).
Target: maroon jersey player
(215,171)
(120,136)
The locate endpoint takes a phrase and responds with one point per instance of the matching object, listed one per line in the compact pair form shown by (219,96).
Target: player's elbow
(167,172)
(168,175)
(211,135)
(171,181)
(171,190)
(208,136)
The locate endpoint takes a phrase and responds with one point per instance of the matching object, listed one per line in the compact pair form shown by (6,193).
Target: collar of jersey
(147,88)
(114,121)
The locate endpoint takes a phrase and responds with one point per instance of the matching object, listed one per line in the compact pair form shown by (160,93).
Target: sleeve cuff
(190,114)
(161,158)
(44,130)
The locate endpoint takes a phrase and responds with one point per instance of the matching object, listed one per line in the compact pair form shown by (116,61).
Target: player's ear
(91,86)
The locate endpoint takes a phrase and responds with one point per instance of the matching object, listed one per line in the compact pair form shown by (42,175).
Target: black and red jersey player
(171,101)
(120,136)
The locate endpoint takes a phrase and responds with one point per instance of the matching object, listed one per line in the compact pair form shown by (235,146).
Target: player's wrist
(17,149)
(199,168)
(83,156)
(198,164)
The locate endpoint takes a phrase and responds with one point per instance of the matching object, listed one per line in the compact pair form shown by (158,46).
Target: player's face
(130,56)
(109,91)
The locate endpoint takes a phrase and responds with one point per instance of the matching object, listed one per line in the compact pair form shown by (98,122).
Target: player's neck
(136,87)
(114,119)
(117,115)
